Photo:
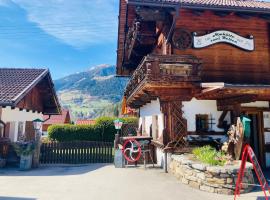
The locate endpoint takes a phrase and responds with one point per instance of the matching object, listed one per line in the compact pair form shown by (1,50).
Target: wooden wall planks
(224,62)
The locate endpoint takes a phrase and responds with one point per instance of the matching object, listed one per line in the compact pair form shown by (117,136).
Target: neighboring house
(85,122)
(195,66)
(64,118)
(25,95)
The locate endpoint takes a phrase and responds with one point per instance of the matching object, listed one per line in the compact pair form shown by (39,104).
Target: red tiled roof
(247,5)
(85,122)
(58,119)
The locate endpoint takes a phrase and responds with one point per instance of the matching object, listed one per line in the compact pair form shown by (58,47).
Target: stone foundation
(214,179)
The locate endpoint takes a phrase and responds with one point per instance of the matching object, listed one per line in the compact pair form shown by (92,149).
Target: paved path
(99,182)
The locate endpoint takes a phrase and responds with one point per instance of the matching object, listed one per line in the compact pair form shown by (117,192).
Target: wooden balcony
(168,77)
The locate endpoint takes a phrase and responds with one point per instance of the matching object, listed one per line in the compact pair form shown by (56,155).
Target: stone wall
(215,179)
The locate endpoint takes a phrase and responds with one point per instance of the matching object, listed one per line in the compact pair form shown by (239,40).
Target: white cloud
(79,23)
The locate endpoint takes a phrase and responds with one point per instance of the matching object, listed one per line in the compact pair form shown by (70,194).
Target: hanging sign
(249,153)
(223,36)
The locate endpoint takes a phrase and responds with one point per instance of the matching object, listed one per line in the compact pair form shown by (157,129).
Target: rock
(189,172)
(201,176)
(211,185)
(194,184)
(213,170)
(199,166)
(207,188)
(191,178)
(218,181)
(179,171)
(208,175)
(214,179)
(224,175)
(224,191)
(187,162)
(185,181)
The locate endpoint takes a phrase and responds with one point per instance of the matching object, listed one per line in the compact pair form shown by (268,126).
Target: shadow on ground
(15,198)
(260,198)
(52,170)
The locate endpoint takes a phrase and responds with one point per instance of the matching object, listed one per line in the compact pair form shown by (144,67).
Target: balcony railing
(165,70)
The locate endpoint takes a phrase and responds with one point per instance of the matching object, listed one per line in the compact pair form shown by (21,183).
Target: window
(202,123)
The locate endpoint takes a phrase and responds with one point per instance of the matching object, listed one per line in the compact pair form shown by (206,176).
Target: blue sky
(66,36)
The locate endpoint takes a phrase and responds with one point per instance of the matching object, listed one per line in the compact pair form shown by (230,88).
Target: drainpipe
(175,18)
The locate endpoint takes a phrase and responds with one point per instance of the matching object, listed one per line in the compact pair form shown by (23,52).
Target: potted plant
(25,150)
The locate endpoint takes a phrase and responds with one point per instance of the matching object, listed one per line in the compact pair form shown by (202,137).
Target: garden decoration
(249,153)
(132,150)
(25,150)
(236,136)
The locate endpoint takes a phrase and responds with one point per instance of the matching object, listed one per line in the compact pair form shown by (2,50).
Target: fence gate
(76,152)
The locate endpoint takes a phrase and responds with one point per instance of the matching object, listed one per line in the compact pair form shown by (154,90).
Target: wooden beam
(151,14)
(198,12)
(245,15)
(237,100)
(222,13)
(266,17)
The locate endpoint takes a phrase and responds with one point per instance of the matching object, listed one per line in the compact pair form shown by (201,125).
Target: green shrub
(103,130)
(65,133)
(209,155)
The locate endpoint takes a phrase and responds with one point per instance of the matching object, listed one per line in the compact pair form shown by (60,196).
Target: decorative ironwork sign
(132,150)
(182,39)
(223,36)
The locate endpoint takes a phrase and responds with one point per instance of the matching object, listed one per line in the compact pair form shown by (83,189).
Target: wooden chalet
(196,65)
(25,95)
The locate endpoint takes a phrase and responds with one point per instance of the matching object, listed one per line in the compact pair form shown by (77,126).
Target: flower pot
(26,162)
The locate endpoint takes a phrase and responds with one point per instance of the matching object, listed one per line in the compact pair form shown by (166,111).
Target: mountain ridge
(89,93)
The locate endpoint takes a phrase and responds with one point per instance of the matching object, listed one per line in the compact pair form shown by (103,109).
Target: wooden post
(165,162)
(36,155)
(116,141)
(0,112)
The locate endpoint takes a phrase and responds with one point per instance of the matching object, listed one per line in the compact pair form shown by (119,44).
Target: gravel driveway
(99,182)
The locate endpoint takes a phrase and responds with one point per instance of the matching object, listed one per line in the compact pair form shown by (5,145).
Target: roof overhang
(197,6)
(231,94)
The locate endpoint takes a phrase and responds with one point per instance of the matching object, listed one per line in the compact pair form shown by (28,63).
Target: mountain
(92,93)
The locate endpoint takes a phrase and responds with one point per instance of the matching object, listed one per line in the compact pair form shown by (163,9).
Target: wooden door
(257,135)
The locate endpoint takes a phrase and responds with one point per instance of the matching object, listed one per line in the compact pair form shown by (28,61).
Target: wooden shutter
(29,131)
